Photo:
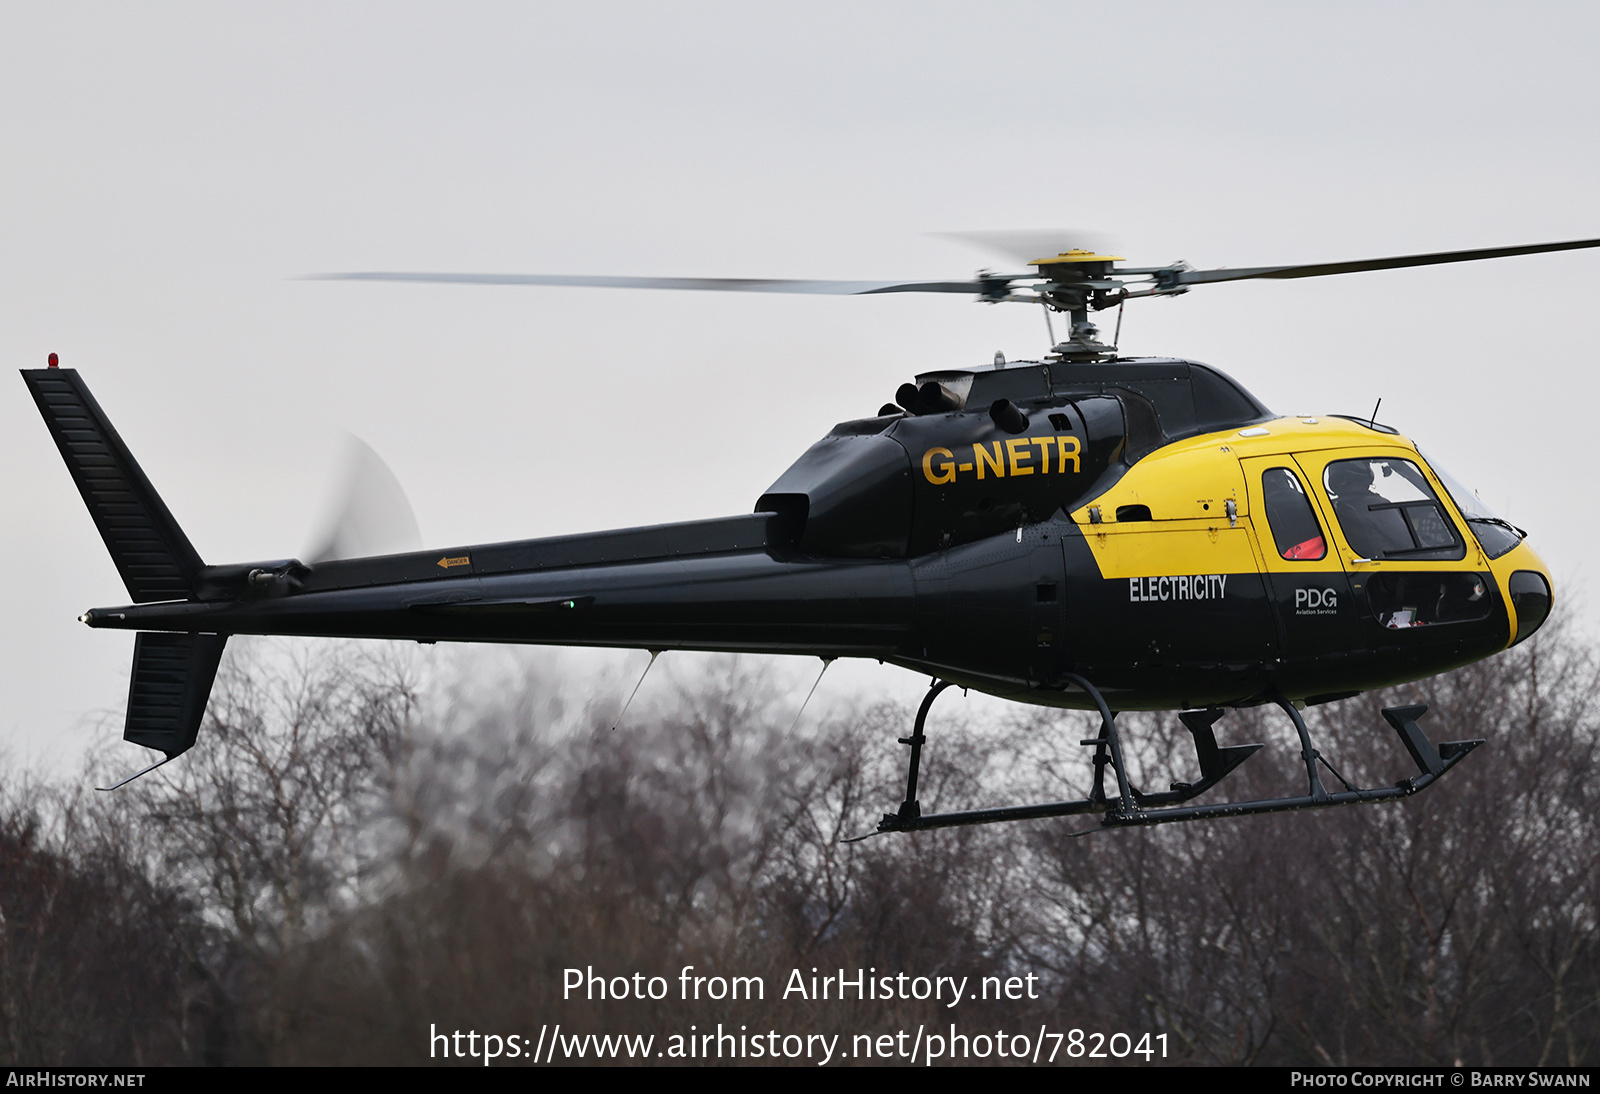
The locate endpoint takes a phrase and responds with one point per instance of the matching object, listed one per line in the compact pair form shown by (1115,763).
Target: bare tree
(345,863)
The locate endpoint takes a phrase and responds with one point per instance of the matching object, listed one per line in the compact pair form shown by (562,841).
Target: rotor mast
(1076,282)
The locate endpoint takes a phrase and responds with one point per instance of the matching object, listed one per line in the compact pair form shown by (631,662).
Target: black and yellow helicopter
(1227,556)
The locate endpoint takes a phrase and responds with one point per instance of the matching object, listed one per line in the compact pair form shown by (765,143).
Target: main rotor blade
(1204,277)
(713,284)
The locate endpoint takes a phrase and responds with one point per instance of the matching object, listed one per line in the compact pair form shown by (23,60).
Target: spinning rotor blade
(714,284)
(1066,277)
(1206,277)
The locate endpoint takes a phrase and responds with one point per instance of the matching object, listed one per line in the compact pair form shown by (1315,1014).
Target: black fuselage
(1001,530)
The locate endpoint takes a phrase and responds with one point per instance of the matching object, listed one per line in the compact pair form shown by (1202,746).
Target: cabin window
(1295,531)
(1423,599)
(1387,510)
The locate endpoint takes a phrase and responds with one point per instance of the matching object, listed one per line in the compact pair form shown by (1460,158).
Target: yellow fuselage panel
(1195,478)
(1172,549)
(1186,486)
(1182,481)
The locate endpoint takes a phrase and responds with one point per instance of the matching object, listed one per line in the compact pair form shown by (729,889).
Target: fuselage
(1146,525)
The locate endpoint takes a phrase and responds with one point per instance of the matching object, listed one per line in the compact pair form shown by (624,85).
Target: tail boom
(750,601)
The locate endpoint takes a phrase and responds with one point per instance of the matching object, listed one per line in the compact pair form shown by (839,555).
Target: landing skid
(1131,807)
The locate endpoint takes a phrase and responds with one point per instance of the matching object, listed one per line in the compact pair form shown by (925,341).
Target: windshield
(1495,534)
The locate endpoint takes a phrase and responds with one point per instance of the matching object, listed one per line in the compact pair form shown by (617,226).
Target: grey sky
(167,172)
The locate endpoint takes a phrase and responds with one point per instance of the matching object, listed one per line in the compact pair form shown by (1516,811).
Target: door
(1309,586)
(1424,596)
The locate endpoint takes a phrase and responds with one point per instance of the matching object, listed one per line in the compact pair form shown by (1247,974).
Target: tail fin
(172,675)
(151,552)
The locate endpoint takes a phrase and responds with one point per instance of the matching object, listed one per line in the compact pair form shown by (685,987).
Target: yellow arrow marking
(464,560)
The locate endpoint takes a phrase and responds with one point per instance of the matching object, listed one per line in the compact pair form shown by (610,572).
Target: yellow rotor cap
(1077,254)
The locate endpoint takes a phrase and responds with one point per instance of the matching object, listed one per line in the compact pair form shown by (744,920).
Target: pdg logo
(1316,598)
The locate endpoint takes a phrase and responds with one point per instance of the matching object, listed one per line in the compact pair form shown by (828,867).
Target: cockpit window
(1387,510)
(1295,531)
(1496,535)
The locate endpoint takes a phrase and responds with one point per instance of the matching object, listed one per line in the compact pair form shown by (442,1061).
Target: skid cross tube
(1131,808)
(911,809)
(1107,740)
(1308,753)
(909,818)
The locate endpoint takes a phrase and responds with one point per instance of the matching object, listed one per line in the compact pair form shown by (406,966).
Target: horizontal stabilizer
(172,676)
(151,552)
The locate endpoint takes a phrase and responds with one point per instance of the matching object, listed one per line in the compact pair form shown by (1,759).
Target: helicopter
(1084,531)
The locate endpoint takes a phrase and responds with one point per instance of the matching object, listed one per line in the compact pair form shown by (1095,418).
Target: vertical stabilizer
(150,551)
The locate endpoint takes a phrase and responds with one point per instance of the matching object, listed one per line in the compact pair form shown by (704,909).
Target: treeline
(349,860)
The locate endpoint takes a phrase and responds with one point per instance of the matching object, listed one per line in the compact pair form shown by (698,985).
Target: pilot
(1371,531)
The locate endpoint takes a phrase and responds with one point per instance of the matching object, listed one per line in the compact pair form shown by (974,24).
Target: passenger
(1294,527)
(1372,525)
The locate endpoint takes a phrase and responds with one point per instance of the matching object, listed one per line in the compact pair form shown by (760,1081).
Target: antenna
(826,661)
(653,655)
